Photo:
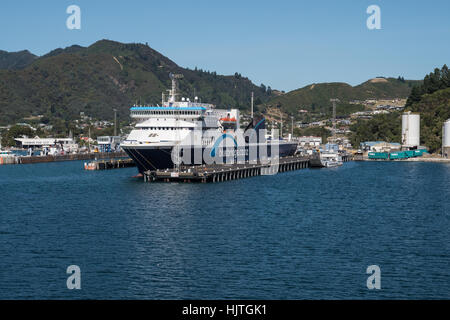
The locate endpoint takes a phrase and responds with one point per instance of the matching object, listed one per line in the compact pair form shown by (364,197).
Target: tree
(16,132)
(263,88)
(314,131)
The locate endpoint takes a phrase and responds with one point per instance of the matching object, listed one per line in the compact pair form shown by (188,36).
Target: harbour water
(307,234)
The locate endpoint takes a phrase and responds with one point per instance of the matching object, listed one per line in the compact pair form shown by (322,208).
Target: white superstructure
(411,129)
(446,139)
(171,123)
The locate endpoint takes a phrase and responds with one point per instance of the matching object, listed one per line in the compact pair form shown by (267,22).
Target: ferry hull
(158,158)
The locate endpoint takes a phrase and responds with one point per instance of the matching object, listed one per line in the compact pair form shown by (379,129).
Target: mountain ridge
(316,96)
(16,60)
(108,75)
(111,75)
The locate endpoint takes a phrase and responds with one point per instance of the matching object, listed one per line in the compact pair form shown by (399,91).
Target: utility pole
(334,115)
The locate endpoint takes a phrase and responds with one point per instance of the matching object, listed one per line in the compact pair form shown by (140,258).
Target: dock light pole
(252,107)
(281,129)
(292,126)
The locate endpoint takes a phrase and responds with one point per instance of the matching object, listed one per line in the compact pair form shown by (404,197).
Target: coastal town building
(309,141)
(66,144)
(108,143)
(379,146)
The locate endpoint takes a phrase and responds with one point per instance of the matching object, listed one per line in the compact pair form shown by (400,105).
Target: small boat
(326,159)
(90,166)
(6,157)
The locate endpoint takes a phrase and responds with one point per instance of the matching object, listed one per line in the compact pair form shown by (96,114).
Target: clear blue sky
(284,44)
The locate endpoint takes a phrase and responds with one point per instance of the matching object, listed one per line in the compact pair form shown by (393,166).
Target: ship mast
(172,99)
(173,91)
(252,107)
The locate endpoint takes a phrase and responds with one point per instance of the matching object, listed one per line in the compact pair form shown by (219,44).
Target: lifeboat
(228,122)
(228,119)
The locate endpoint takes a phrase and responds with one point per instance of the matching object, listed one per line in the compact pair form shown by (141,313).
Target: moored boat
(326,159)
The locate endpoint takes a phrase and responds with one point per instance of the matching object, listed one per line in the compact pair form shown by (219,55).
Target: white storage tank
(446,139)
(411,129)
(446,134)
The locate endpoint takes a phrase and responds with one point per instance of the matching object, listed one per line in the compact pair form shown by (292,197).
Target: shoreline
(435,160)
(58,158)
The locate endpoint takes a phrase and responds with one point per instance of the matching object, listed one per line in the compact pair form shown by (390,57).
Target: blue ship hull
(154,158)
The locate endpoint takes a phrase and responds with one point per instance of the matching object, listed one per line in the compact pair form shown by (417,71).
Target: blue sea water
(308,234)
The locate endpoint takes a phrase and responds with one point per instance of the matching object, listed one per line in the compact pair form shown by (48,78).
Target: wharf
(227,172)
(417,159)
(109,164)
(429,159)
(69,157)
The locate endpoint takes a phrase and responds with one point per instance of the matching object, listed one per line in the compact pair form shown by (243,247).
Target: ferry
(176,124)
(6,153)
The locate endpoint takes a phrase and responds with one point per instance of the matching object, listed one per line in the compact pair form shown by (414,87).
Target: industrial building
(410,130)
(37,143)
(309,141)
(379,146)
(108,143)
(446,139)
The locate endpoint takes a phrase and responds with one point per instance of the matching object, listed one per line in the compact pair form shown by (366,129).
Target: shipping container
(397,155)
(419,152)
(378,155)
(409,153)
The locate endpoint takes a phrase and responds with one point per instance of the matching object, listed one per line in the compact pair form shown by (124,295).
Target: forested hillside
(16,60)
(316,97)
(109,75)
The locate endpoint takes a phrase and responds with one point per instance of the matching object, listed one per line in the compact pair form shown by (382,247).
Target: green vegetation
(316,97)
(16,132)
(435,81)
(384,127)
(16,60)
(313,131)
(109,75)
(434,110)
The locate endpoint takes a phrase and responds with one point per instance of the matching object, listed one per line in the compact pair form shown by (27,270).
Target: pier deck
(109,164)
(227,172)
(67,157)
